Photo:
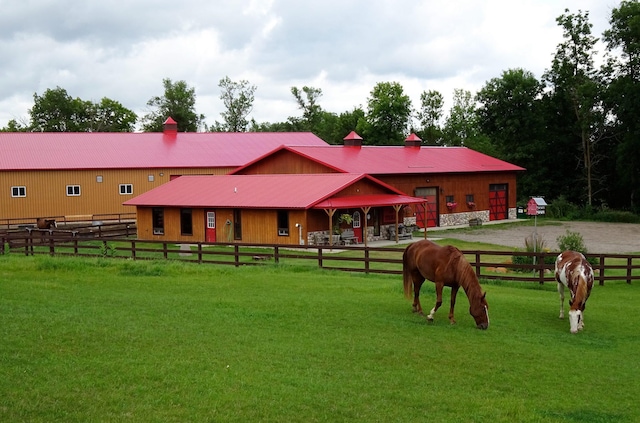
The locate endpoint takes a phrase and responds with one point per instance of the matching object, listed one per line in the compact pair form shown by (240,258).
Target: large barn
(79,176)
(457,183)
(431,186)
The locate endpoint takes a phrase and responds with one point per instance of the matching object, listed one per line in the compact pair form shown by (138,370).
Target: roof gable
(253,191)
(385,160)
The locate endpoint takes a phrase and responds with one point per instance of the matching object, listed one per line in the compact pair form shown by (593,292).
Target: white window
(73,190)
(18,191)
(126,189)
(151,178)
(98,178)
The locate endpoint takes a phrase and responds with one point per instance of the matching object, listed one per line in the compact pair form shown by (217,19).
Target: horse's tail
(406,272)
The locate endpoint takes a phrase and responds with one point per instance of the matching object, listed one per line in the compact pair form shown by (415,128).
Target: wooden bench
(403,233)
(349,237)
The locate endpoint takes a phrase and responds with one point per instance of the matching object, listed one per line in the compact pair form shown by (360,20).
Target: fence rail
(496,265)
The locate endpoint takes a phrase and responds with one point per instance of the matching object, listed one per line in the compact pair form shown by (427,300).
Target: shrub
(533,244)
(571,241)
(574,241)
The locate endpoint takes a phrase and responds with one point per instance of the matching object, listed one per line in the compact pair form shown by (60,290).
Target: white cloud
(123,51)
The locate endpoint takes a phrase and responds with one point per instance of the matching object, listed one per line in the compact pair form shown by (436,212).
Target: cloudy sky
(123,49)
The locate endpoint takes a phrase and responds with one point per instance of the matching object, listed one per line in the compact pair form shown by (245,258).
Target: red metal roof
(82,150)
(385,160)
(265,191)
(374,200)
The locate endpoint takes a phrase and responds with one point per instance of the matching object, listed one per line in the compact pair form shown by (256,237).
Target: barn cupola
(353,140)
(170,126)
(412,141)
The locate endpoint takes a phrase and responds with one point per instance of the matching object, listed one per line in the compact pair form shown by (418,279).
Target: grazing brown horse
(444,266)
(574,272)
(46,223)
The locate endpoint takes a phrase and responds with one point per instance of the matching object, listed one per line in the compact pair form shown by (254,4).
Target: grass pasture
(119,340)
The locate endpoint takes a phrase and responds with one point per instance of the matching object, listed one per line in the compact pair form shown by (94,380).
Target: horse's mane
(465,275)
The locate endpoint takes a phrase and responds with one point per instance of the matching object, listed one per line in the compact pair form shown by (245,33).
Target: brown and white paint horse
(574,272)
(445,266)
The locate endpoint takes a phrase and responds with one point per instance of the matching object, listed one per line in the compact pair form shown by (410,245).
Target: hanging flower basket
(451,206)
(471,205)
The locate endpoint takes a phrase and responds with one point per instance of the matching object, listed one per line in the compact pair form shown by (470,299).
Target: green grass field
(117,340)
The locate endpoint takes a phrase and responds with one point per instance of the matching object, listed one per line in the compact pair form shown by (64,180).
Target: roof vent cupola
(353,140)
(412,141)
(170,126)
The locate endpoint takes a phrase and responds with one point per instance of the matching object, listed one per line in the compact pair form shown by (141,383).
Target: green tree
(460,127)
(14,126)
(388,115)
(238,100)
(429,116)
(56,111)
(307,99)
(574,81)
(178,102)
(622,98)
(111,116)
(510,113)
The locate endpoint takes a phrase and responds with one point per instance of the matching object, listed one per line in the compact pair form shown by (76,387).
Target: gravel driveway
(613,238)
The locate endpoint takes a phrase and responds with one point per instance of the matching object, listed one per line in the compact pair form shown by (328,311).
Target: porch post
(397,208)
(424,216)
(365,210)
(330,213)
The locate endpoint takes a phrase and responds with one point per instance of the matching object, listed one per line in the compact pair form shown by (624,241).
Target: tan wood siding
(46,190)
(284,162)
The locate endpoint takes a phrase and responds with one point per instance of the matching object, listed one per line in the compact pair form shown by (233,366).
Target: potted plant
(451,205)
(471,205)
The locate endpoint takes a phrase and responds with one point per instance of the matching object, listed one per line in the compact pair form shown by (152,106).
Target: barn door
(431,195)
(210,226)
(498,205)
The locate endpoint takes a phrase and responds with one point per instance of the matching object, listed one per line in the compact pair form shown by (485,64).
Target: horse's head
(479,310)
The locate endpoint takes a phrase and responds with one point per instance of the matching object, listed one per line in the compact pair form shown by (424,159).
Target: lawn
(118,340)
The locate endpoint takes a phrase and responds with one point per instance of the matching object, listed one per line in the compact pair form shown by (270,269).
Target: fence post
(366,260)
(477,264)
(199,252)
(629,263)
(52,248)
(236,254)
(276,254)
(541,256)
(133,250)
(320,256)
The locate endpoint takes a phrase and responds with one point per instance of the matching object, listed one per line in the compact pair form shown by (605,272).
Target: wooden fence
(495,265)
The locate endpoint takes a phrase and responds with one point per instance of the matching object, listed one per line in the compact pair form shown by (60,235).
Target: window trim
(73,189)
(126,191)
(19,191)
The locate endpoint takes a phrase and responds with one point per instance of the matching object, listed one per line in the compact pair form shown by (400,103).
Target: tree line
(575,129)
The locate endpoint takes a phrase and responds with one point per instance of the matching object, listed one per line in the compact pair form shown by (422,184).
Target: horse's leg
(581,318)
(438,301)
(417,308)
(454,292)
(561,292)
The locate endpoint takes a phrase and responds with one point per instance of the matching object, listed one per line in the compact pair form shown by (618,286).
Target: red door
(210,226)
(498,209)
(357,226)
(430,194)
